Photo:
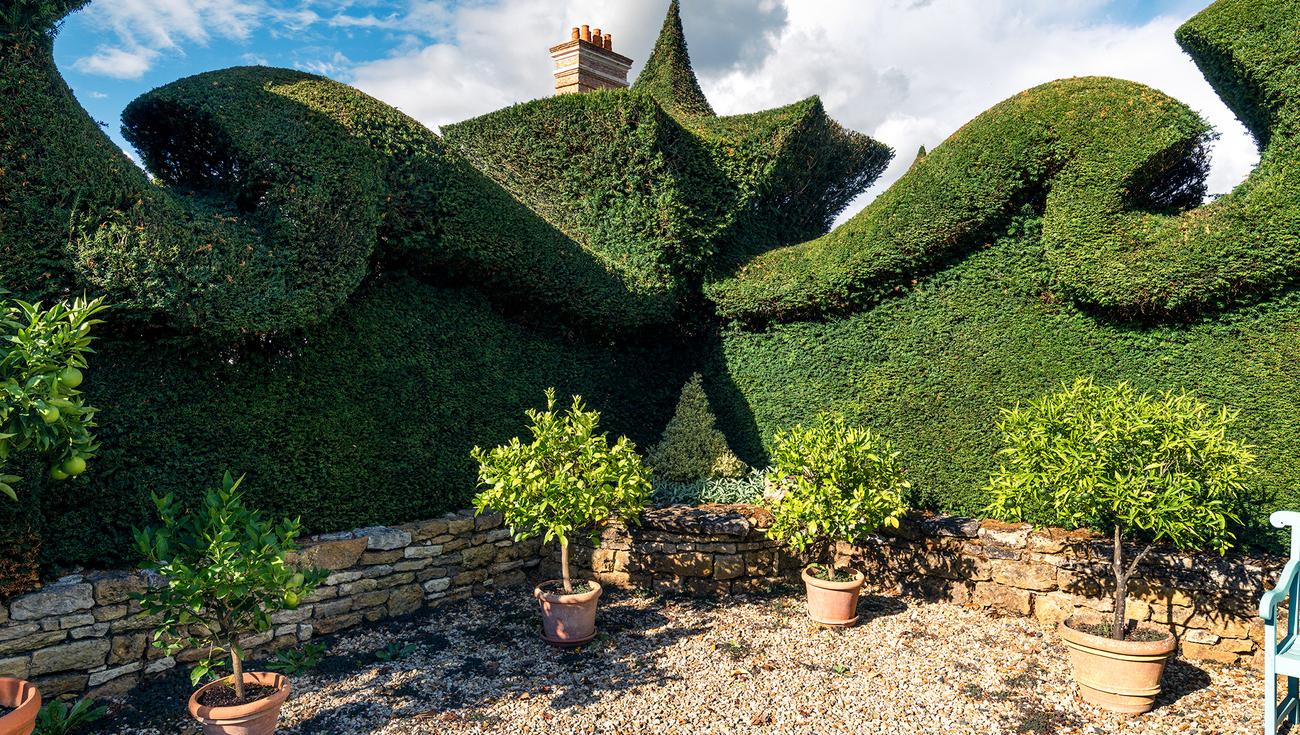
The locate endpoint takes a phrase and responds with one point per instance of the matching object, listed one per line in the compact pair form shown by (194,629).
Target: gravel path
(746,665)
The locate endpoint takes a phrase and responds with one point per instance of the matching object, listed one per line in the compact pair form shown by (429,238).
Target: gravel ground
(746,665)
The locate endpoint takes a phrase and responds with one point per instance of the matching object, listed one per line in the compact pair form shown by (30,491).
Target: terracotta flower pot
(25,700)
(833,603)
(254,718)
(568,620)
(1121,676)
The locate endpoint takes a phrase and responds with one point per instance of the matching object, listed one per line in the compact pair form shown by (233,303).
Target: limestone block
(75,656)
(56,599)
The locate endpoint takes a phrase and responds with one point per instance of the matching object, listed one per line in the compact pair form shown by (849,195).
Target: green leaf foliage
(566,480)
(838,483)
(1160,468)
(224,573)
(748,489)
(692,448)
(297,660)
(933,368)
(61,718)
(42,354)
(663,201)
(667,74)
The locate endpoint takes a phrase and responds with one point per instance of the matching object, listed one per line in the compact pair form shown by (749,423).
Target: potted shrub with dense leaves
(42,354)
(224,574)
(1128,465)
(567,480)
(834,483)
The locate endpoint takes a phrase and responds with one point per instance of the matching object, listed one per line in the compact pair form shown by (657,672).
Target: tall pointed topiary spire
(668,75)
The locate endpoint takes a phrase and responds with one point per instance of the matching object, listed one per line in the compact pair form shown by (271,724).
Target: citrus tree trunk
(564,565)
(237,671)
(1121,590)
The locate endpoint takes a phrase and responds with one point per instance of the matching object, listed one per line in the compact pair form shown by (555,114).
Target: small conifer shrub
(692,447)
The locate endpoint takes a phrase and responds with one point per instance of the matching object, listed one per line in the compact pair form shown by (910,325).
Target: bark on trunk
(1121,591)
(564,566)
(237,671)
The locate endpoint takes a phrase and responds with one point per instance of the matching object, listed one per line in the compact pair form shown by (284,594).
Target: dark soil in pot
(556,587)
(1131,633)
(828,574)
(224,696)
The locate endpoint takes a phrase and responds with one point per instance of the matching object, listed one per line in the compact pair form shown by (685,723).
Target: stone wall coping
(711,519)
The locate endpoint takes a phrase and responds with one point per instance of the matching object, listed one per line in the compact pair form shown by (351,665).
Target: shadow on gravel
(488,649)
(461,657)
(871,607)
(1181,678)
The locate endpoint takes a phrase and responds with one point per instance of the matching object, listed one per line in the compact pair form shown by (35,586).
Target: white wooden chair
(1282,658)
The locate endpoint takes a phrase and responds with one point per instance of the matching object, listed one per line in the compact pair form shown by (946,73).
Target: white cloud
(912,74)
(145,28)
(118,63)
(334,65)
(908,72)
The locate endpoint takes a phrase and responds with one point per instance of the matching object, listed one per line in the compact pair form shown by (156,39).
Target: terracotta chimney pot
(586,33)
(609,41)
(576,34)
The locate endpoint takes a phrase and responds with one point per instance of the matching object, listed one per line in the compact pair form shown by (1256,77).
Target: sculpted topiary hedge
(326,295)
(1111,164)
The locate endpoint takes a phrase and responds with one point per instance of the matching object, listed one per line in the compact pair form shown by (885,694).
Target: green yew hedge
(324,294)
(367,419)
(932,368)
(1112,165)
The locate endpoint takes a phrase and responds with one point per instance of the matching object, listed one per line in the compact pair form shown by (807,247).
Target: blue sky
(908,72)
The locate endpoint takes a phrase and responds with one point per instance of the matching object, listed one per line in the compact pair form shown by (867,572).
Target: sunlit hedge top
(1110,163)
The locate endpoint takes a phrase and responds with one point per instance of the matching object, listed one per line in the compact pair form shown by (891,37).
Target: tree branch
(1132,567)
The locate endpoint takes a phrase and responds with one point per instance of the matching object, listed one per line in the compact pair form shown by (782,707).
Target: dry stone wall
(709,549)
(85,633)
(1209,602)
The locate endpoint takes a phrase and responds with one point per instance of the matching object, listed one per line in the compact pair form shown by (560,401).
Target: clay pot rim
(1102,644)
(577,598)
(858,579)
(30,704)
(203,712)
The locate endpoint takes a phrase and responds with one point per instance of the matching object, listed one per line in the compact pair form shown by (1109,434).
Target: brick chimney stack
(587,62)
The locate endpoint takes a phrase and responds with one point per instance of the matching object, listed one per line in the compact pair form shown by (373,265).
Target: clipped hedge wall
(1111,163)
(330,297)
(665,200)
(366,420)
(931,369)
(438,212)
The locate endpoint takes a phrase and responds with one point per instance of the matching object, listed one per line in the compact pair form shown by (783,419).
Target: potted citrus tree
(224,574)
(42,354)
(1131,466)
(567,480)
(834,483)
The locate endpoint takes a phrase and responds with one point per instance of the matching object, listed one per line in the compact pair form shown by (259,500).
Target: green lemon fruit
(49,414)
(74,465)
(58,474)
(70,377)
